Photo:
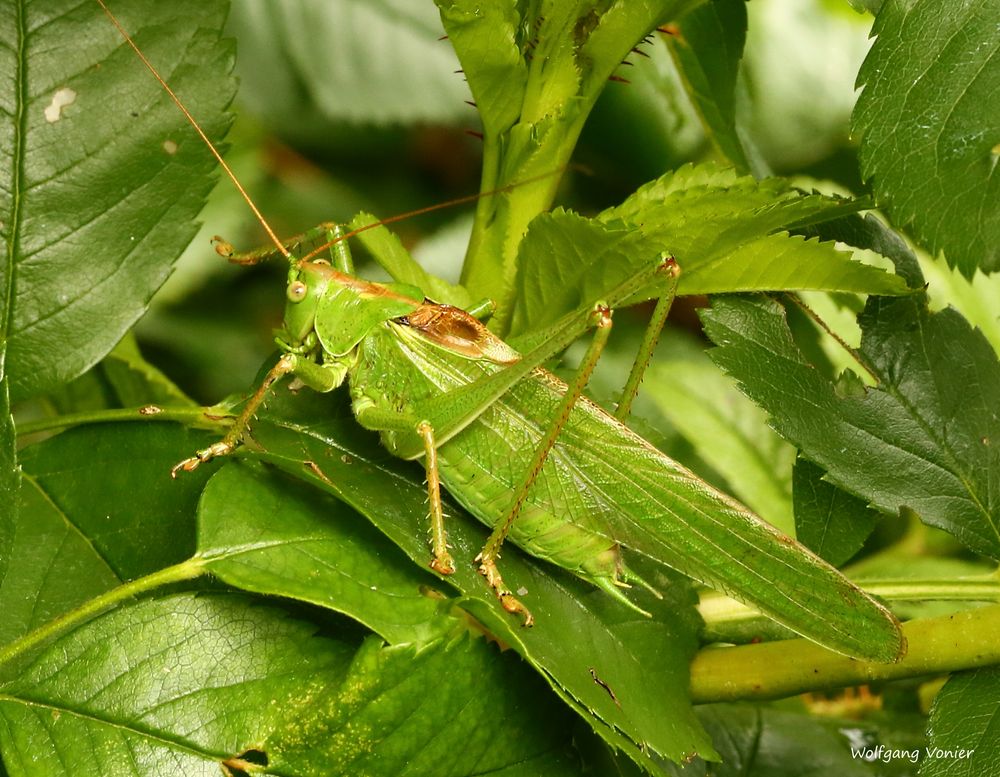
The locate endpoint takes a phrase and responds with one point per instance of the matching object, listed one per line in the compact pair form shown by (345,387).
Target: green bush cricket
(527,454)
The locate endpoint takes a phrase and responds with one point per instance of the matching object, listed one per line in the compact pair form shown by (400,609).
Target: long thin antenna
(200,131)
(430,209)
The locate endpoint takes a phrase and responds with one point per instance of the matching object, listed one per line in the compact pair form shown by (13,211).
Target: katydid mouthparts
(529,455)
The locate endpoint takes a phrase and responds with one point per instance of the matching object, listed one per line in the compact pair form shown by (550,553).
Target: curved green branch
(186,570)
(774,670)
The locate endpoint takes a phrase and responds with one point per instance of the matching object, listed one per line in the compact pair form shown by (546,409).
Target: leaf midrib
(15,216)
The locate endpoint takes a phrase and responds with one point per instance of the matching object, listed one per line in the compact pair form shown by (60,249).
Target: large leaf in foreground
(923,438)
(644,660)
(98,507)
(193,684)
(930,125)
(320,551)
(106,176)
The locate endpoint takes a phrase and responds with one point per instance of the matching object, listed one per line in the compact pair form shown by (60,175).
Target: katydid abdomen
(604,488)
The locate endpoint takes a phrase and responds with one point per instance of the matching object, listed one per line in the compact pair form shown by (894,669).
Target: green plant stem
(203,417)
(187,570)
(716,609)
(774,670)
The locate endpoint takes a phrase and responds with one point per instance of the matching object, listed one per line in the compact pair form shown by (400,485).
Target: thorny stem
(186,570)
(199,417)
(773,670)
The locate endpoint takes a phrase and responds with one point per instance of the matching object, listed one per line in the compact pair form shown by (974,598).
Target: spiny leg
(235,434)
(327,231)
(672,270)
(601,319)
(442,562)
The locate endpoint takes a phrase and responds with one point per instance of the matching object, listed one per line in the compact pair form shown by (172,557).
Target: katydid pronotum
(527,454)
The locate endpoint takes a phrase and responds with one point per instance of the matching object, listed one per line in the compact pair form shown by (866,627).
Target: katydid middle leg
(371,416)
(442,561)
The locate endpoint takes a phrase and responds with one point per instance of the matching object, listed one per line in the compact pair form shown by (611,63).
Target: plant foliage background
(831,363)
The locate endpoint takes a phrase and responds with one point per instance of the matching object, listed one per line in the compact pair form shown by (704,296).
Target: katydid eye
(296,291)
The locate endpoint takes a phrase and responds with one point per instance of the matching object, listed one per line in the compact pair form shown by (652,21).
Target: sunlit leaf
(108,176)
(199,685)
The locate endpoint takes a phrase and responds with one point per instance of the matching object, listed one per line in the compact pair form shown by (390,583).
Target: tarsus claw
(488,569)
(443,565)
(187,465)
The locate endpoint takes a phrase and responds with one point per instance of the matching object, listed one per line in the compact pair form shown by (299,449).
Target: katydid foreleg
(318,377)
(236,432)
(328,231)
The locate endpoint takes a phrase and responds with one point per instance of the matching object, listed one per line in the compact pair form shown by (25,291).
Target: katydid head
(307,284)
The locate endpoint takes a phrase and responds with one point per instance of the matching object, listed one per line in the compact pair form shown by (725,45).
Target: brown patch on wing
(454,329)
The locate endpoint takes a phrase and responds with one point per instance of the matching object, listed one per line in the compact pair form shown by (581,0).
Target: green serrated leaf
(320,551)
(930,130)
(708,51)
(727,233)
(963,740)
(923,438)
(567,262)
(194,684)
(366,63)
(828,521)
(106,179)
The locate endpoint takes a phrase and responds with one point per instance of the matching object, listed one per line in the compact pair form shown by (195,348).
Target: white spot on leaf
(170,147)
(60,100)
